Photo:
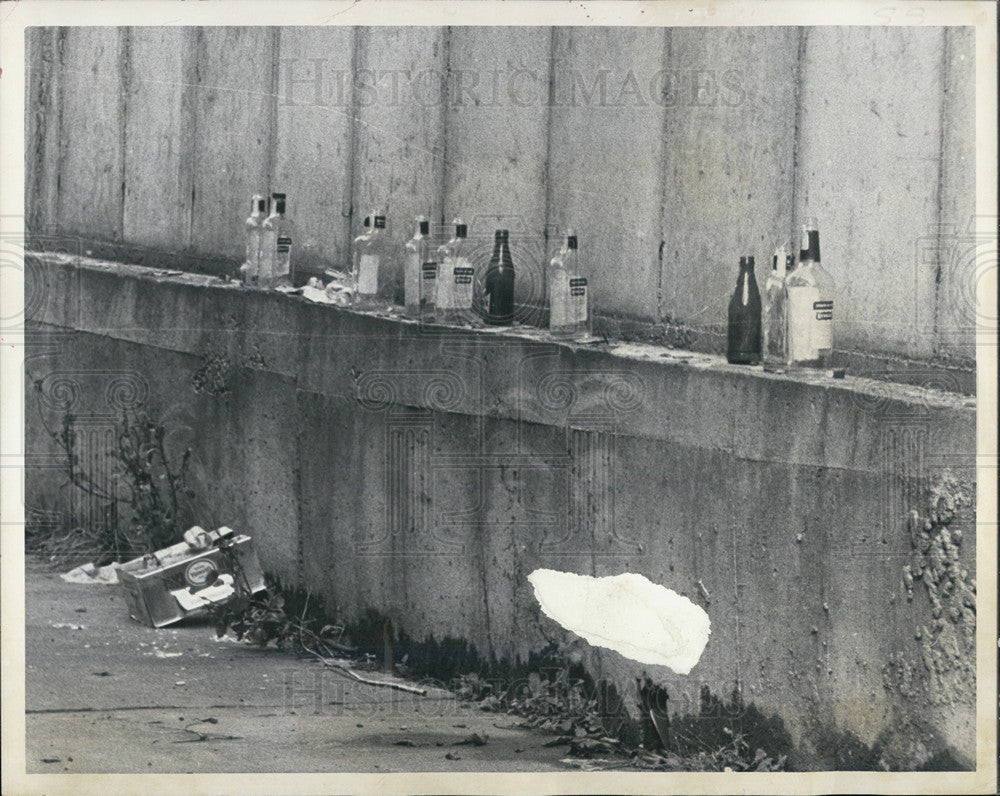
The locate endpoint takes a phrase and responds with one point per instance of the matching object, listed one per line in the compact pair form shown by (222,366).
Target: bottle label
(430,270)
(801,323)
(368,275)
(822,324)
(282,265)
(578,296)
(455,285)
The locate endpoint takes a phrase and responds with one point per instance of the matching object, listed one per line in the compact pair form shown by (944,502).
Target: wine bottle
(810,305)
(744,318)
(499,282)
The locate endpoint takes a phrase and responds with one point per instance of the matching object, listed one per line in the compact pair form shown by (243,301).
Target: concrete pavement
(105,694)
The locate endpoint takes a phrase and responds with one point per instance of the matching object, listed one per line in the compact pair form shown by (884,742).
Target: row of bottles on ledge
(441,284)
(792,325)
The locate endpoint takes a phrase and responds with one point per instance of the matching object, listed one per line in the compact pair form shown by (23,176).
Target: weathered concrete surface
(710,141)
(422,473)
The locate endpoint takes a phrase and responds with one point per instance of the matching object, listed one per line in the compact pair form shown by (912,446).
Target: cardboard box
(184,580)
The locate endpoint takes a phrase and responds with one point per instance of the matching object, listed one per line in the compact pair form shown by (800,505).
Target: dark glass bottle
(499,282)
(744,318)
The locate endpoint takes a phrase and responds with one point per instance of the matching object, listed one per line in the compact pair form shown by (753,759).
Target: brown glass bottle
(744,318)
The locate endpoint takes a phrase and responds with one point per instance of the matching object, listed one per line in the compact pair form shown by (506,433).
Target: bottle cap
(570,239)
(502,234)
(278,196)
(461,230)
(425,225)
(746,260)
(261,203)
(368,221)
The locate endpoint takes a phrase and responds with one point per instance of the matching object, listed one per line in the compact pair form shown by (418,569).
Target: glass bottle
(414,256)
(368,256)
(562,267)
(579,289)
(276,246)
(774,318)
(455,276)
(744,318)
(250,270)
(498,285)
(810,305)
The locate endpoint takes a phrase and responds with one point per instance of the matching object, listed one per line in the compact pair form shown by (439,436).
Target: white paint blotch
(627,613)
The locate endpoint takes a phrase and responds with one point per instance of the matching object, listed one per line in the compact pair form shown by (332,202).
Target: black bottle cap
(368,222)
(261,203)
(502,234)
(425,226)
(571,241)
(461,230)
(278,196)
(746,261)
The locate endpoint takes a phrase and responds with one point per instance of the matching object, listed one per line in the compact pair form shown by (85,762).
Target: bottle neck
(810,246)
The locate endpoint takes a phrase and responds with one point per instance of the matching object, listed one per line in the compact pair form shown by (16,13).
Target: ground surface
(116,697)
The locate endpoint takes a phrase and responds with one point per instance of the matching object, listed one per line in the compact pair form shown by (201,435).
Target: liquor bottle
(250,270)
(809,305)
(414,257)
(562,319)
(744,318)
(579,290)
(499,282)
(368,256)
(774,316)
(276,246)
(455,276)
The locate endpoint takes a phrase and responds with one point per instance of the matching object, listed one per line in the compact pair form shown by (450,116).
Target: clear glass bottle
(498,287)
(250,270)
(579,290)
(414,256)
(455,278)
(276,246)
(744,318)
(774,318)
(562,268)
(368,256)
(810,305)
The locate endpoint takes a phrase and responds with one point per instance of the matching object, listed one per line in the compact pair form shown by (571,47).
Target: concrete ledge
(421,473)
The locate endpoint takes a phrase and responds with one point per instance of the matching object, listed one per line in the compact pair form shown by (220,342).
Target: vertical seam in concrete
(38,44)
(189,109)
(270,166)
(665,62)
(797,130)
(547,219)
(442,175)
(352,142)
(125,86)
(939,190)
(61,144)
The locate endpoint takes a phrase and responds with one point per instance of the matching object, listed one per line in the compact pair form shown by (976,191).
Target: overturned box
(191,576)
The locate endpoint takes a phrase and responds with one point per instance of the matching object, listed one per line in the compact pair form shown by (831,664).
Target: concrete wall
(423,473)
(673,150)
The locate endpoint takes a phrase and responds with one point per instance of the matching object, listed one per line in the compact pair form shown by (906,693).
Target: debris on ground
(475,739)
(190,577)
(89,573)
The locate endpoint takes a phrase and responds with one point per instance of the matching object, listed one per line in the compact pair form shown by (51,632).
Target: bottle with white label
(276,246)
(810,305)
(455,278)
(774,316)
(579,289)
(562,320)
(414,257)
(250,270)
(368,257)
